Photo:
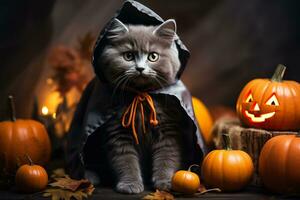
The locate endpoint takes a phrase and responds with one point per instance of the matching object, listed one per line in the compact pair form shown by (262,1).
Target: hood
(133,12)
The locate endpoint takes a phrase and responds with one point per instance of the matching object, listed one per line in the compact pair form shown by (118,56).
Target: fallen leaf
(70,184)
(59,194)
(86,45)
(159,195)
(64,188)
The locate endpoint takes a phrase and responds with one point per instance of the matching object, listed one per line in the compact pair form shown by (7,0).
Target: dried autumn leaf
(64,188)
(89,190)
(86,45)
(159,195)
(64,59)
(59,194)
(71,184)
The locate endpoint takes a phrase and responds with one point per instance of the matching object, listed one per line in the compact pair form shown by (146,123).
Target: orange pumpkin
(229,170)
(31,178)
(279,164)
(204,120)
(20,137)
(270,104)
(186,182)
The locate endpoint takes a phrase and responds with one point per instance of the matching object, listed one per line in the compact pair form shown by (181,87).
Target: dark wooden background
(231,42)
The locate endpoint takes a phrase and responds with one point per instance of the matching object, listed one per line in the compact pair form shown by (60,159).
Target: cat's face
(141,57)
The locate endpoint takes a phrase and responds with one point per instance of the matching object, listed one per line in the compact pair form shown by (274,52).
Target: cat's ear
(166,30)
(116,29)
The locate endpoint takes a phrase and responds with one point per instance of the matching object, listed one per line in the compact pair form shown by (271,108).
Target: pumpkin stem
(193,165)
(227,141)
(279,73)
(29,159)
(12,108)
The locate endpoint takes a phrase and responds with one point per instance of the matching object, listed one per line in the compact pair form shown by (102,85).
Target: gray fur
(141,40)
(162,144)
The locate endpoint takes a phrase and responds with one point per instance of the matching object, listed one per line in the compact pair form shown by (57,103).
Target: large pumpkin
(204,120)
(23,137)
(279,164)
(271,104)
(227,169)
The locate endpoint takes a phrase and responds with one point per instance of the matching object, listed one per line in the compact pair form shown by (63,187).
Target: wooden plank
(109,194)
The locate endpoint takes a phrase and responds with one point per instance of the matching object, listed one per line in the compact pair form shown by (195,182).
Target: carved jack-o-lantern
(271,104)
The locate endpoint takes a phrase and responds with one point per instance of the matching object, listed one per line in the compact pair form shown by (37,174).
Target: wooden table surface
(107,193)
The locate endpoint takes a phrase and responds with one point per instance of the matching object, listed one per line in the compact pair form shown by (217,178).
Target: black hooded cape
(95,107)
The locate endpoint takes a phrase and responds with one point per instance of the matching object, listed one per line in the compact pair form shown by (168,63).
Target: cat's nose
(140,69)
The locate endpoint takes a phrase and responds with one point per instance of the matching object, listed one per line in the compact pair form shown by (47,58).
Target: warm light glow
(261,118)
(45,110)
(256,107)
(49,81)
(51,101)
(54,115)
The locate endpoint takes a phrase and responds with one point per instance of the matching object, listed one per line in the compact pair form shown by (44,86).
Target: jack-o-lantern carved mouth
(260,118)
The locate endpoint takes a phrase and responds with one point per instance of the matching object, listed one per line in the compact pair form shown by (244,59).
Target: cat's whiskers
(118,83)
(160,75)
(123,88)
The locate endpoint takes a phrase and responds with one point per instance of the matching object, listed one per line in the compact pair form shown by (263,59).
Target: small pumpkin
(186,182)
(204,120)
(270,104)
(31,178)
(279,164)
(20,137)
(227,169)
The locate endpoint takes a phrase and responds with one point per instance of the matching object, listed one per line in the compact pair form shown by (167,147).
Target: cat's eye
(272,101)
(128,56)
(153,56)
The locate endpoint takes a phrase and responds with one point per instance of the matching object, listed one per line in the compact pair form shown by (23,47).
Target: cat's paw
(164,185)
(130,187)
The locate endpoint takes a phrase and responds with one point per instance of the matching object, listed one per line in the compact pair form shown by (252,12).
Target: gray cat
(135,122)
(143,58)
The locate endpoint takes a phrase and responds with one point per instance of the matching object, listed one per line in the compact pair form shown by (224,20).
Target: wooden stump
(250,140)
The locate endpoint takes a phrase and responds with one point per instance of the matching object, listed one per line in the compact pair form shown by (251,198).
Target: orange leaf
(60,194)
(71,184)
(159,195)
(65,188)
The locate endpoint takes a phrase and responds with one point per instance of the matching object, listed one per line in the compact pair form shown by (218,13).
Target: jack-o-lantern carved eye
(249,98)
(272,101)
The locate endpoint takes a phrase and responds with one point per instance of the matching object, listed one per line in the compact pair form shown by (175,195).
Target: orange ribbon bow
(130,113)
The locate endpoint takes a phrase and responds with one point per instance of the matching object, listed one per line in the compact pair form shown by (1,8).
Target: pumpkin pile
(19,138)
(23,141)
(273,104)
